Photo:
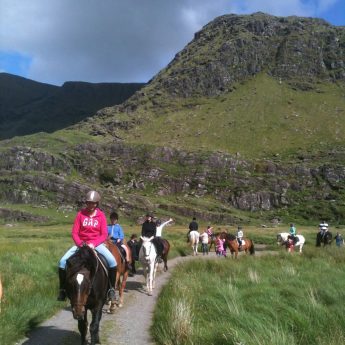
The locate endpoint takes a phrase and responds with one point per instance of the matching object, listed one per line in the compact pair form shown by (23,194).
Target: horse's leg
(150,279)
(154,275)
(123,286)
(300,247)
(82,326)
(165,260)
(94,326)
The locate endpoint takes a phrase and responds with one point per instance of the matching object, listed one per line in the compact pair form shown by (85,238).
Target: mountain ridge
(28,107)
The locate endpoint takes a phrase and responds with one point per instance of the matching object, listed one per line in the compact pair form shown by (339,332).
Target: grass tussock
(268,300)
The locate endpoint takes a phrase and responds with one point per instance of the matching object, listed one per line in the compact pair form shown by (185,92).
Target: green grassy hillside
(259,118)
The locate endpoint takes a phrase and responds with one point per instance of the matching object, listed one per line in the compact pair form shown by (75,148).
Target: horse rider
(149,229)
(239,237)
(292,233)
(117,236)
(193,226)
(323,228)
(90,229)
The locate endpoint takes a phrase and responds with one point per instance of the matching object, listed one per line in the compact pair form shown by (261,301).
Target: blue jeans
(101,249)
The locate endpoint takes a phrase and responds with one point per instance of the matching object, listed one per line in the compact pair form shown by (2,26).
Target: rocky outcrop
(132,173)
(232,48)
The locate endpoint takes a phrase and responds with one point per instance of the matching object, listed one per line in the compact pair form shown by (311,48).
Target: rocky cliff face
(34,177)
(231,48)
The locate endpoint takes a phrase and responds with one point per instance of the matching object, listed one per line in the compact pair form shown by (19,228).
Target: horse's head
(79,279)
(279,239)
(148,247)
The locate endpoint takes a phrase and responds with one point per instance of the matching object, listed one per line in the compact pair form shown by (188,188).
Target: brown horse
(166,248)
(86,287)
(121,273)
(232,243)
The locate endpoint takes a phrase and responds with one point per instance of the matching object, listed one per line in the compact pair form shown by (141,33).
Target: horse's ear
(142,238)
(151,238)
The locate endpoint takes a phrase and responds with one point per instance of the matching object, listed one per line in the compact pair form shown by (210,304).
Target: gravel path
(129,325)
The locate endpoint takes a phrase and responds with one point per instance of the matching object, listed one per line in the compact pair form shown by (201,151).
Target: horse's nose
(78,313)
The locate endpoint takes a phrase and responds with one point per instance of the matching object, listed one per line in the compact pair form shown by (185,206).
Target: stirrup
(62,295)
(111,295)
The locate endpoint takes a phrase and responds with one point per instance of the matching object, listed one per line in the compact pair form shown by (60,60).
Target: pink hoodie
(89,229)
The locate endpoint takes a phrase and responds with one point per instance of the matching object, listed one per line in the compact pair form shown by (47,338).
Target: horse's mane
(83,258)
(230,237)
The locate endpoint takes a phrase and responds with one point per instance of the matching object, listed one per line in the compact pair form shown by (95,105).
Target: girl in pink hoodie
(90,229)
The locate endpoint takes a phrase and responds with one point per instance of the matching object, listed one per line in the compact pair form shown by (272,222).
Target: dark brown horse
(121,273)
(86,287)
(166,248)
(233,245)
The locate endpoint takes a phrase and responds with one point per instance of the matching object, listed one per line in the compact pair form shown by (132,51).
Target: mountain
(28,107)
(246,124)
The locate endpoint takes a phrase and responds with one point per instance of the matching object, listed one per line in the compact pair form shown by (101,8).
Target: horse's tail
(252,249)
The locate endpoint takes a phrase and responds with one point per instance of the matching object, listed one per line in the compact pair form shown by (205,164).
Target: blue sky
(119,41)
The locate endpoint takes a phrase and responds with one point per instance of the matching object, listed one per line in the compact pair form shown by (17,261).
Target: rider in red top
(90,229)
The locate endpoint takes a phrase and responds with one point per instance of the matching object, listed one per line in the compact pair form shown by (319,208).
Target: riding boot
(62,280)
(112,277)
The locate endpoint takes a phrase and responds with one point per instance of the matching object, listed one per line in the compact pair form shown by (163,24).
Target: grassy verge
(284,299)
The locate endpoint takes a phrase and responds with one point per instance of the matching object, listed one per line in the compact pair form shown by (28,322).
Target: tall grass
(28,264)
(268,300)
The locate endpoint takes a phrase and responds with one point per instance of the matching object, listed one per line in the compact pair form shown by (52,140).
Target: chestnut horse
(86,287)
(121,273)
(232,243)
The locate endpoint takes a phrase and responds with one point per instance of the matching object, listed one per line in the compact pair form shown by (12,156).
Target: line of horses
(230,241)
(87,282)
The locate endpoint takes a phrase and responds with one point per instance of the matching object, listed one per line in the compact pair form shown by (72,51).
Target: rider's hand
(91,245)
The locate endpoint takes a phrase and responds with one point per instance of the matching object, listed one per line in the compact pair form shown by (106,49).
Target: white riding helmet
(93,196)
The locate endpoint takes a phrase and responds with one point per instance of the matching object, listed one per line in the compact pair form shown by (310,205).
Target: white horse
(282,239)
(148,259)
(194,240)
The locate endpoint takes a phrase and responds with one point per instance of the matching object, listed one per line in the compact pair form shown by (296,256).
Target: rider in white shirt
(239,236)
(160,226)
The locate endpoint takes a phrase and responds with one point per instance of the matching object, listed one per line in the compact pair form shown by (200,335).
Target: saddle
(99,256)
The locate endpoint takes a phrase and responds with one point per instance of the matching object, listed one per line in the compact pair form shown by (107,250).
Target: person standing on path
(204,242)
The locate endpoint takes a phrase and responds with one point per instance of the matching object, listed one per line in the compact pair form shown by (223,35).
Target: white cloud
(116,40)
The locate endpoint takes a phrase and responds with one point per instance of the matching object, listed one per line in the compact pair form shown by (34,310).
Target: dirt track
(129,325)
